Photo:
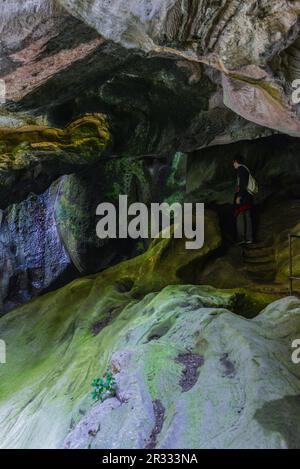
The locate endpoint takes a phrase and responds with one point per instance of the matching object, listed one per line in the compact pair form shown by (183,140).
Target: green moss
(122,173)
(86,137)
(249,303)
(154,368)
(60,314)
(54,354)
(176,181)
(272,90)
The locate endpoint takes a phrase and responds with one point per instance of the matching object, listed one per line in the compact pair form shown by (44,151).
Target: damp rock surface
(182,73)
(243,389)
(133,83)
(190,374)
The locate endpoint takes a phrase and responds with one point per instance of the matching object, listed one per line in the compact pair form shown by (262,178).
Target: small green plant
(104,387)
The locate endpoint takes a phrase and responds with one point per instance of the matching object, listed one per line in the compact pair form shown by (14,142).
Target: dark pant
(244,226)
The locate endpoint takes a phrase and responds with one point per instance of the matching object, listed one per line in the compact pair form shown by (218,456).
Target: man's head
(237,161)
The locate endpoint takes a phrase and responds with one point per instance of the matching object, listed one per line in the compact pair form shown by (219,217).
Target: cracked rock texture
(245,395)
(238,38)
(33,156)
(49,239)
(31,253)
(105,98)
(111,49)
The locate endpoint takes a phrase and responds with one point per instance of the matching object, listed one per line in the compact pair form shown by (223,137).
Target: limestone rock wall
(96,47)
(31,252)
(185,365)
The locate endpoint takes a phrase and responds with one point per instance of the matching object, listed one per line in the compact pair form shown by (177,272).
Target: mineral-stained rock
(245,393)
(157,66)
(88,134)
(169,76)
(261,28)
(75,212)
(33,156)
(273,161)
(238,38)
(32,255)
(39,40)
(47,239)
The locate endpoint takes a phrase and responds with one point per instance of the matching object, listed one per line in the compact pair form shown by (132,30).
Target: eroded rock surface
(33,156)
(238,38)
(49,239)
(95,55)
(142,80)
(32,255)
(241,397)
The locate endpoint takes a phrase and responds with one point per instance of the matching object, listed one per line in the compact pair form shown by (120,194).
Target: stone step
(260,244)
(263,277)
(260,260)
(265,267)
(258,252)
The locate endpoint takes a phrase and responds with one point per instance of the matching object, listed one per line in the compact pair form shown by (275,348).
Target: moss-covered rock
(186,366)
(197,376)
(84,137)
(33,156)
(32,255)
(49,239)
(76,205)
(167,261)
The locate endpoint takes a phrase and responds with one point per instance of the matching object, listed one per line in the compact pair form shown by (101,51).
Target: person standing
(243,203)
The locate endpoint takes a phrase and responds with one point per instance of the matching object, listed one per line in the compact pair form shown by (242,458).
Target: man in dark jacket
(243,202)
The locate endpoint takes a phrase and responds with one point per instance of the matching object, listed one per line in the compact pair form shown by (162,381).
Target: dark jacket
(242,184)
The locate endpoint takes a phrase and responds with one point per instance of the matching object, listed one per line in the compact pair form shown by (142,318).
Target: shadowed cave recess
(152,99)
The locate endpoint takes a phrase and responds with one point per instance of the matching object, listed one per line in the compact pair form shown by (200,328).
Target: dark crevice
(98,326)
(159,414)
(228,365)
(154,337)
(124,285)
(190,374)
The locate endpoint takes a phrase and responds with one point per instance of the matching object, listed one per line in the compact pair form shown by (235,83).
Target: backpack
(252,187)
